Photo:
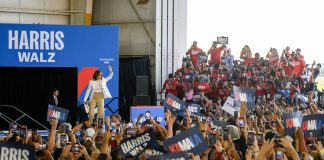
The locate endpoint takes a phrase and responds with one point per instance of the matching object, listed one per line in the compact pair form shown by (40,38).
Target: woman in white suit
(98,91)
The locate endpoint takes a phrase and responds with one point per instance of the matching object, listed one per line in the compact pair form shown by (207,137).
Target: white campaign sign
(229,106)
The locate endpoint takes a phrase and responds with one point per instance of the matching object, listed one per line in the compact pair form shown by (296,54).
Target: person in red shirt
(300,56)
(246,52)
(260,87)
(170,85)
(287,67)
(193,52)
(215,53)
(299,66)
(203,85)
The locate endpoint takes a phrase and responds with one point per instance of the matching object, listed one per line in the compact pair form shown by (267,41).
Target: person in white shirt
(97,91)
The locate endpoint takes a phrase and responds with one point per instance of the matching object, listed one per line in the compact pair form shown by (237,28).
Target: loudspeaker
(141,100)
(141,85)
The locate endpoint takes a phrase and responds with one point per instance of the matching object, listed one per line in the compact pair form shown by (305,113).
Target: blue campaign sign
(58,113)
(89,48)
(156,112)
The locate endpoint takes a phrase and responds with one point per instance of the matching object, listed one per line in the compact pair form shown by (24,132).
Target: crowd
(258,133)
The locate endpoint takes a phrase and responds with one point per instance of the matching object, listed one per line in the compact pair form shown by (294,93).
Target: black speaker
(141,85)
(141,100)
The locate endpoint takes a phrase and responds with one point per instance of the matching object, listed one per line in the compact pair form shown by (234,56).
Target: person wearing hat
(300,56)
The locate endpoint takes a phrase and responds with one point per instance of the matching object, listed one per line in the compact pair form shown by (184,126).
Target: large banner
(156,112)
(89,48)
(10,150)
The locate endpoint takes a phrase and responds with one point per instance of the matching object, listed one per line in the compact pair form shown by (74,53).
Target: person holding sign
(170,85)
(97,91)
(215,54)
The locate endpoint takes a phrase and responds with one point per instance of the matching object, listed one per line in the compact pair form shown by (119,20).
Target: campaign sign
(171,156)
(156,112)
(191,141)
(58,113)
(202,58)
(229,106)
(173,103)
(222,40)
(313,124)
(244,95)
(194,109)
(134,146)
(291,121)
(153,149)
(219,123)
(9,150)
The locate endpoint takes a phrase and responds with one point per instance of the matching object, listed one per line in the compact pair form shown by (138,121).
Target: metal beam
(122,22)
(38,11)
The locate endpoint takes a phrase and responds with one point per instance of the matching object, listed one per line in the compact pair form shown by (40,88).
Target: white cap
(90,132)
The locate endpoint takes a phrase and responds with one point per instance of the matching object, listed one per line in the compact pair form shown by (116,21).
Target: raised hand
(110,69)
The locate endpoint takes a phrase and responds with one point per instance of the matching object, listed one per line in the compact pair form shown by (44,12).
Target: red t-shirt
(215,55)
(204,87)
(171,87)
(288,70)
(193,52)
(259,90)
(298,67)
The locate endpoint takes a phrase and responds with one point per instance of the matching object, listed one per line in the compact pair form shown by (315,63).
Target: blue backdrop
(86,47)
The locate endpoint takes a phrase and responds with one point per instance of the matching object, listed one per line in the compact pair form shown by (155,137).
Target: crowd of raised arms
(283,83)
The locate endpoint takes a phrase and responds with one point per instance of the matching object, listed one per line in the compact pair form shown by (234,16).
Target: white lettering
(23,56)
(13,154)
(51,57)
(25,154)
(44,36)
(34,36)
(58,36)
(23,43)
(41,57)
(34,57)
(13,39)
(4,153)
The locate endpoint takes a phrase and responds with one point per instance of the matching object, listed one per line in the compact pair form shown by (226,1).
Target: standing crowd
(279,81)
